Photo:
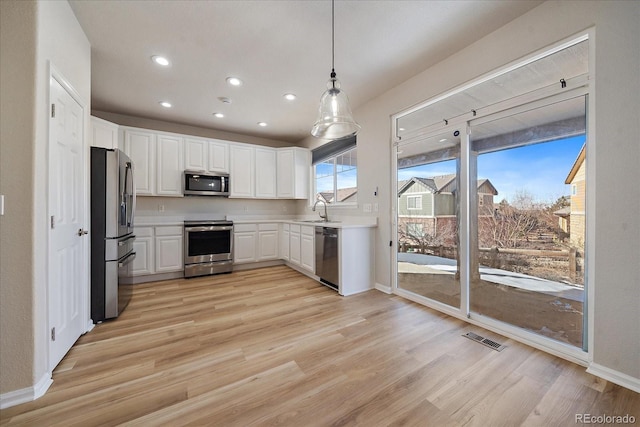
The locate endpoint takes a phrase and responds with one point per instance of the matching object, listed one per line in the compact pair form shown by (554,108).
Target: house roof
(564,212)
(576,165)
(344,194)
(438,183)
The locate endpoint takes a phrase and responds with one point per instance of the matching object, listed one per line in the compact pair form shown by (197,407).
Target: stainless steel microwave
(203,184)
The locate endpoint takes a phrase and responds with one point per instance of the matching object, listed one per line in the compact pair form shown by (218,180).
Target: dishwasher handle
(330,232)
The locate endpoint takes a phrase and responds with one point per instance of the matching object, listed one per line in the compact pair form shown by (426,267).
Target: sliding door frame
(575,87)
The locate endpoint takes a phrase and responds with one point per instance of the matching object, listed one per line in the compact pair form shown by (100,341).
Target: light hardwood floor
(273,347)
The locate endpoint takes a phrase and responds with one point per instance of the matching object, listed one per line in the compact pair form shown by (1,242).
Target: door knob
(82,232)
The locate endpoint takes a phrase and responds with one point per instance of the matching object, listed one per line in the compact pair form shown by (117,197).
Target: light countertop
(339,222)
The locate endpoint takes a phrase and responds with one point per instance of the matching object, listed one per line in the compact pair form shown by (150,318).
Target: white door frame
(54,73)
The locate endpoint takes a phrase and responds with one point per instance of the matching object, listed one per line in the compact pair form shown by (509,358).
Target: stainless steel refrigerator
(113,203)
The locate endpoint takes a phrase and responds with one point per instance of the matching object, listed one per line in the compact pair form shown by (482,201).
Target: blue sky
(539,169)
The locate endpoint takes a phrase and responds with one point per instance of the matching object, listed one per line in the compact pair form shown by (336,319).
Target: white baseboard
(25,395)
(158,277)
(624,380)
(383,288)
(254,265)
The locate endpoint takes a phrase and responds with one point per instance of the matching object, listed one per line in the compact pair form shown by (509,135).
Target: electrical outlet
(366,207)
(246,208)
(375,207)
(160,208)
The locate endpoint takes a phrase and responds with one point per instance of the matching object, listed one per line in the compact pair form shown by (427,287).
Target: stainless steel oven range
(208,247)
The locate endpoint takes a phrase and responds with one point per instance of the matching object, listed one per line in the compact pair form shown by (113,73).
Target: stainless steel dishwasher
(327,266)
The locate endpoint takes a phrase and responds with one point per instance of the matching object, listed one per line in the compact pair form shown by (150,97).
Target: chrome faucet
(325,216)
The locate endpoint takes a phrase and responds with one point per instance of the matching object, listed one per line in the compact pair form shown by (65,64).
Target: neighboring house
(344,195)
(564,219)
(577,180)
(427,207)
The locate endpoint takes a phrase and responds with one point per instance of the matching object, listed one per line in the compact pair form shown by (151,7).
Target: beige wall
(17,133)
(34,35)
(145,123)
(613,234)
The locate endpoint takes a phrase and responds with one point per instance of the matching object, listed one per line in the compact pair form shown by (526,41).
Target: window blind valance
(332,149)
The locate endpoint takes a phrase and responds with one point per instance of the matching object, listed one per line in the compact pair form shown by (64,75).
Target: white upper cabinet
(218,156)
(265,173)
(103,133)
(206,155)
(242,170)
(196,153)
(140,145)
(294,165)
(170,165)
(160,159)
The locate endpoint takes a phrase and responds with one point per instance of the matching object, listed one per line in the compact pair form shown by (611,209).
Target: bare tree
(510,224)
(425,237)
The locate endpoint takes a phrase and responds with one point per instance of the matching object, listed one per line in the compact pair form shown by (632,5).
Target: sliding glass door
(529,221)
(491,200)
(428,258)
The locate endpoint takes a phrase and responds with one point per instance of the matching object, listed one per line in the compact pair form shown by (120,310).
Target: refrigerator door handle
(124,241)
(126,260)
(133,192)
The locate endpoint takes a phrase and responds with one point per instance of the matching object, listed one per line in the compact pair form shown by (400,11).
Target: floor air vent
(485,341)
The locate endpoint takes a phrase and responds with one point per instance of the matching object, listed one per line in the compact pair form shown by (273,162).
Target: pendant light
(335,119)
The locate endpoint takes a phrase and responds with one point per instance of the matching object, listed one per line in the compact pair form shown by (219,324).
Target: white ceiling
(275,47)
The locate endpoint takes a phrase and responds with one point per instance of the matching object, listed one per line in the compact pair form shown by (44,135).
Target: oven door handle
(210,228)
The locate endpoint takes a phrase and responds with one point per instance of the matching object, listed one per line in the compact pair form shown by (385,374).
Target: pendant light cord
(333,37)
(333,42)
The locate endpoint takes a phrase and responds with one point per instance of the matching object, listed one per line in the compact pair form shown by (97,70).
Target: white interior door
(67,244)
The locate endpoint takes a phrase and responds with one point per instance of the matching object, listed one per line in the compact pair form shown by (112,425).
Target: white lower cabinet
(168,249)
(355,254)
(268,242)
(294,244)
(307,248)
(245,237)
(301,246)
(284,242)
(158,250)
(255,242)
(143,247)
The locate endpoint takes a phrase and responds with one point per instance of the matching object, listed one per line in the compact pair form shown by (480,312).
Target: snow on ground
(431,264)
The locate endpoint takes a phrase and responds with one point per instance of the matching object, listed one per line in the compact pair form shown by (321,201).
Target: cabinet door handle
(82,232)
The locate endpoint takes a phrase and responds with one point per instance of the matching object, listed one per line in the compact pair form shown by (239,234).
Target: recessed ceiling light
(263,124)
(234,81)
(165,104)
(443,140)
(160,60)
(224,100)
(401,129)
(289,96)
(218,115)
